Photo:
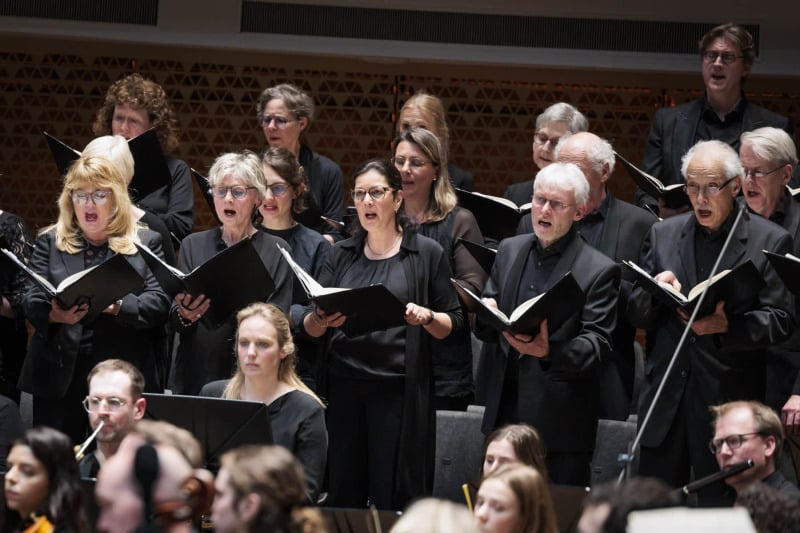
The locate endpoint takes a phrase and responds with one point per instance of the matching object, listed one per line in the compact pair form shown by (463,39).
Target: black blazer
(674,131)
(133,335)
(711,368)
(556,394)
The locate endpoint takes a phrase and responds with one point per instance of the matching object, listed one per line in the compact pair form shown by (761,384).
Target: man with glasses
(115,398)
(547,378)
(723,355)
(750,430)
(727,53)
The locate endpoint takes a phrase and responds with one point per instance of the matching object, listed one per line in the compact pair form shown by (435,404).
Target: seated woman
(265,373)
(132,106)
(515,443)
(261,488)
(95,222)
(515,499)
(237,183)
(42,486)
(286,189)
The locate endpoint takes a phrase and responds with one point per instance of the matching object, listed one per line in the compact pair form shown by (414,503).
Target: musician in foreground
(750,430)
(723,357)
(95,222)
(529,374)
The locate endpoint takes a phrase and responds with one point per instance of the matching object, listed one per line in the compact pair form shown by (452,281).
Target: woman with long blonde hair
(265,373)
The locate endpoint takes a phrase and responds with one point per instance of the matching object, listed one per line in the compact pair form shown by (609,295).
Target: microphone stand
(628,458)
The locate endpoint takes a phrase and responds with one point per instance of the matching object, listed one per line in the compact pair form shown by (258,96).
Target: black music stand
(220,425)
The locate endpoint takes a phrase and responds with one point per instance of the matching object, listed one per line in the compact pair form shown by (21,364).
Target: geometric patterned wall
(491,116)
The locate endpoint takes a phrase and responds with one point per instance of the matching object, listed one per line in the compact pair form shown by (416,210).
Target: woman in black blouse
(284,113)
(15,238)
(265,373)
(205,354)
(380,415)
(430,201)
(286,190)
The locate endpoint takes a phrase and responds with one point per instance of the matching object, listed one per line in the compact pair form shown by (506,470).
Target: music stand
(568,505)
(219,425)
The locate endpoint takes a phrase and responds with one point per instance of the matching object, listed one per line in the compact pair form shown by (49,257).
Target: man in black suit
(769,157)
(727,53)
(617,229)
(723,356)
(546,379)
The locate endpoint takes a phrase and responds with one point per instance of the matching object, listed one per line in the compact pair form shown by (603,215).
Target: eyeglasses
(280,122)
(733,441)
(728,58)
(92,404)
(414,163)
(758,174)
(376,193)
(98,197)
(278,189)
(237,191)
(708,191)
(555,205)
(542,139)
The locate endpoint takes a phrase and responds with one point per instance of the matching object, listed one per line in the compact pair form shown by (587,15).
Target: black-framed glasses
(759,174)
(93,404)
(733,441)
(98,197)
(709,190)
(278,189)
(280,122)
(541,139)
(728,58)
(413,162)
(555,205)
(376,193)
(237,191)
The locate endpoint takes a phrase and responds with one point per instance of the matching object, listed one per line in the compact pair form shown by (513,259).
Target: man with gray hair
(723,356)
(768,156)
(529,375)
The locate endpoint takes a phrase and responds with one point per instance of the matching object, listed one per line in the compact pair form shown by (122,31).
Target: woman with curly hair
(132,106)
(42,486)
(261,488)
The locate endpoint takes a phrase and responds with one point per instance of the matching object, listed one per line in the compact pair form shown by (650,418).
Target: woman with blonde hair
(265,373)
(95,222)
(515,499)
(261,488)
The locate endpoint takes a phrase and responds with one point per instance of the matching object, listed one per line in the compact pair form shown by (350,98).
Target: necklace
(389,249)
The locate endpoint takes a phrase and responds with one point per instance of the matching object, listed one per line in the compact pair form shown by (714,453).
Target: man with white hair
(769,157)
(723,356)
(547,378)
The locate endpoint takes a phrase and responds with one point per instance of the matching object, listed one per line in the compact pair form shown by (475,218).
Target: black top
(298,424)
(154,223)
(173,203)
(326,184)
(782,485)
(206,355)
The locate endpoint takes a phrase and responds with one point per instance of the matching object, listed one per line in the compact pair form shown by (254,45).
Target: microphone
(696,485)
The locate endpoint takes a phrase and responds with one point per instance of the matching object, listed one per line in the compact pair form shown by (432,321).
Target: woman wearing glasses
(380,414)
(132,106)
(238,186)
(95,223)
(284,113)
(430,201)
(285,196)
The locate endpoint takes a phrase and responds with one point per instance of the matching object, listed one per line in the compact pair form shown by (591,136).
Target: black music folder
(735,286)
(497,217)
(98,286)
(788,269)
(369,308)
(673,195)
(232,279)
(205,189)
(150,167)
(484,255)
(220,425)
(564,300)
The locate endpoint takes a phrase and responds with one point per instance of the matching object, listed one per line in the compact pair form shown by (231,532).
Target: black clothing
(460,178)
(173,203)
(326,185)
